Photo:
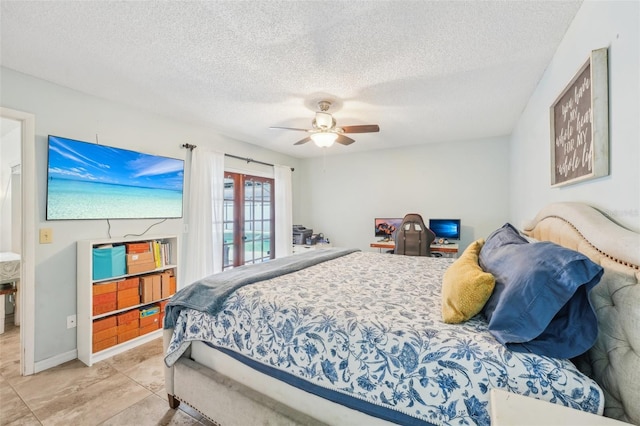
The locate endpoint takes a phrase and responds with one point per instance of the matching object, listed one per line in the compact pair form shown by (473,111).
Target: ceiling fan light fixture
(325,132)
(324,139)
(324,120)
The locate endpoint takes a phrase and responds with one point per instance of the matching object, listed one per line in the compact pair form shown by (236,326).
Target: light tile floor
(127,389)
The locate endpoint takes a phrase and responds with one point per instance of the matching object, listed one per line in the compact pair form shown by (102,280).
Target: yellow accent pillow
(465,286)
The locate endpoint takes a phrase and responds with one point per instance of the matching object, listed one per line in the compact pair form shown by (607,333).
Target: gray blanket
(209,294)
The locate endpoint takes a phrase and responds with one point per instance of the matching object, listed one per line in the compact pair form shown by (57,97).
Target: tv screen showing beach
(91,181)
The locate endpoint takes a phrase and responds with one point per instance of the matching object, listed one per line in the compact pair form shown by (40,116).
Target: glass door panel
(229,228)
(248,216)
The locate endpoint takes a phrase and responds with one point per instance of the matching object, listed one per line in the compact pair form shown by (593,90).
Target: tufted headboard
(614,360)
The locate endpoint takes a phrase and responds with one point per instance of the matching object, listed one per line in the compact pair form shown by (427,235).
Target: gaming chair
(413,238)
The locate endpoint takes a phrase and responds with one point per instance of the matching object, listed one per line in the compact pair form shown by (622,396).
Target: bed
(349,337)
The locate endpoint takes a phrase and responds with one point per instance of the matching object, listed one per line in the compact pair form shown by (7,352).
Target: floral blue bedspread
(368,326)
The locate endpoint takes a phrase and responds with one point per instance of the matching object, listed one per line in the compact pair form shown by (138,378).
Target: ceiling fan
(324,132)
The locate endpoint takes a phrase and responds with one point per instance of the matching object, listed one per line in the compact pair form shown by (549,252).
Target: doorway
(17,158)
(248,220)
(10,221)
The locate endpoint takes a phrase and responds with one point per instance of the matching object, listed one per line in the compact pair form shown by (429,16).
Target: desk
(301,248)
(446,250)
(389,245)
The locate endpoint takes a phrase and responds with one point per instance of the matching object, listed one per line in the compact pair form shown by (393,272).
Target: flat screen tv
(445,228)
(91,181)
(385,226)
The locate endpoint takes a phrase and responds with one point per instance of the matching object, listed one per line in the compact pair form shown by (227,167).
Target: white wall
(467,180)
(68,113)
(612,24)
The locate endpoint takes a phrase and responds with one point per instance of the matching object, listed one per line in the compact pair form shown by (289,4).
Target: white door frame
(27,261)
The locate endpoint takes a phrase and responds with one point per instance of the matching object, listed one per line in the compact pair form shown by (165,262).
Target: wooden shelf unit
(85,287)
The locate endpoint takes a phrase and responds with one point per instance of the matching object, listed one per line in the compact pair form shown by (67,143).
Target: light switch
(46,235)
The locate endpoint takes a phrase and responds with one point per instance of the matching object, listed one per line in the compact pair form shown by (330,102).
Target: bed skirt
(238,396)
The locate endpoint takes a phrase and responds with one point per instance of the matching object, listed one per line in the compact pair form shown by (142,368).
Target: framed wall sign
(580,125)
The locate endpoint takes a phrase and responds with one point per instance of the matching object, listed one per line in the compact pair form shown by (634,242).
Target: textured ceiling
(425,71)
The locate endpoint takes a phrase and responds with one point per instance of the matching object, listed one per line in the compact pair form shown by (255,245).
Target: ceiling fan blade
(344,140)
(301,141)
(365,128)
(290,128)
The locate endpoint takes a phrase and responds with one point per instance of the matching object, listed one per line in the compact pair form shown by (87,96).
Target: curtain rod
(248,160)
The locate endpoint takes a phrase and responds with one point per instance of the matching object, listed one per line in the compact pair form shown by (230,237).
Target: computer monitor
(445,228)
(386,226)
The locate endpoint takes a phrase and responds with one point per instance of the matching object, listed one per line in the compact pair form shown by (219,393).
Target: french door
(248,220)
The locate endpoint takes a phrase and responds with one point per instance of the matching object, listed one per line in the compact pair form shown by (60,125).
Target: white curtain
(284,210)
(204,224)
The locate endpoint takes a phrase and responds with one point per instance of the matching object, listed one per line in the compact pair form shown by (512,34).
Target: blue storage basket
(109,262)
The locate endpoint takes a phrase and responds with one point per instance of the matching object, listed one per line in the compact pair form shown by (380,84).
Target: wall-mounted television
(90,181)
(445,228)
(385,226)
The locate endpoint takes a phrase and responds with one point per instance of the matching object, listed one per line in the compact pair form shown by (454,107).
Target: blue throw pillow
(540,303)
(503,236)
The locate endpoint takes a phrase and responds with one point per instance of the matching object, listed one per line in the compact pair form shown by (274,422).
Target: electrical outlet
(71,321)
(46,235)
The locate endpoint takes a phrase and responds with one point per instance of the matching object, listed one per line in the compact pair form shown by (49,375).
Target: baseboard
(54,361)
